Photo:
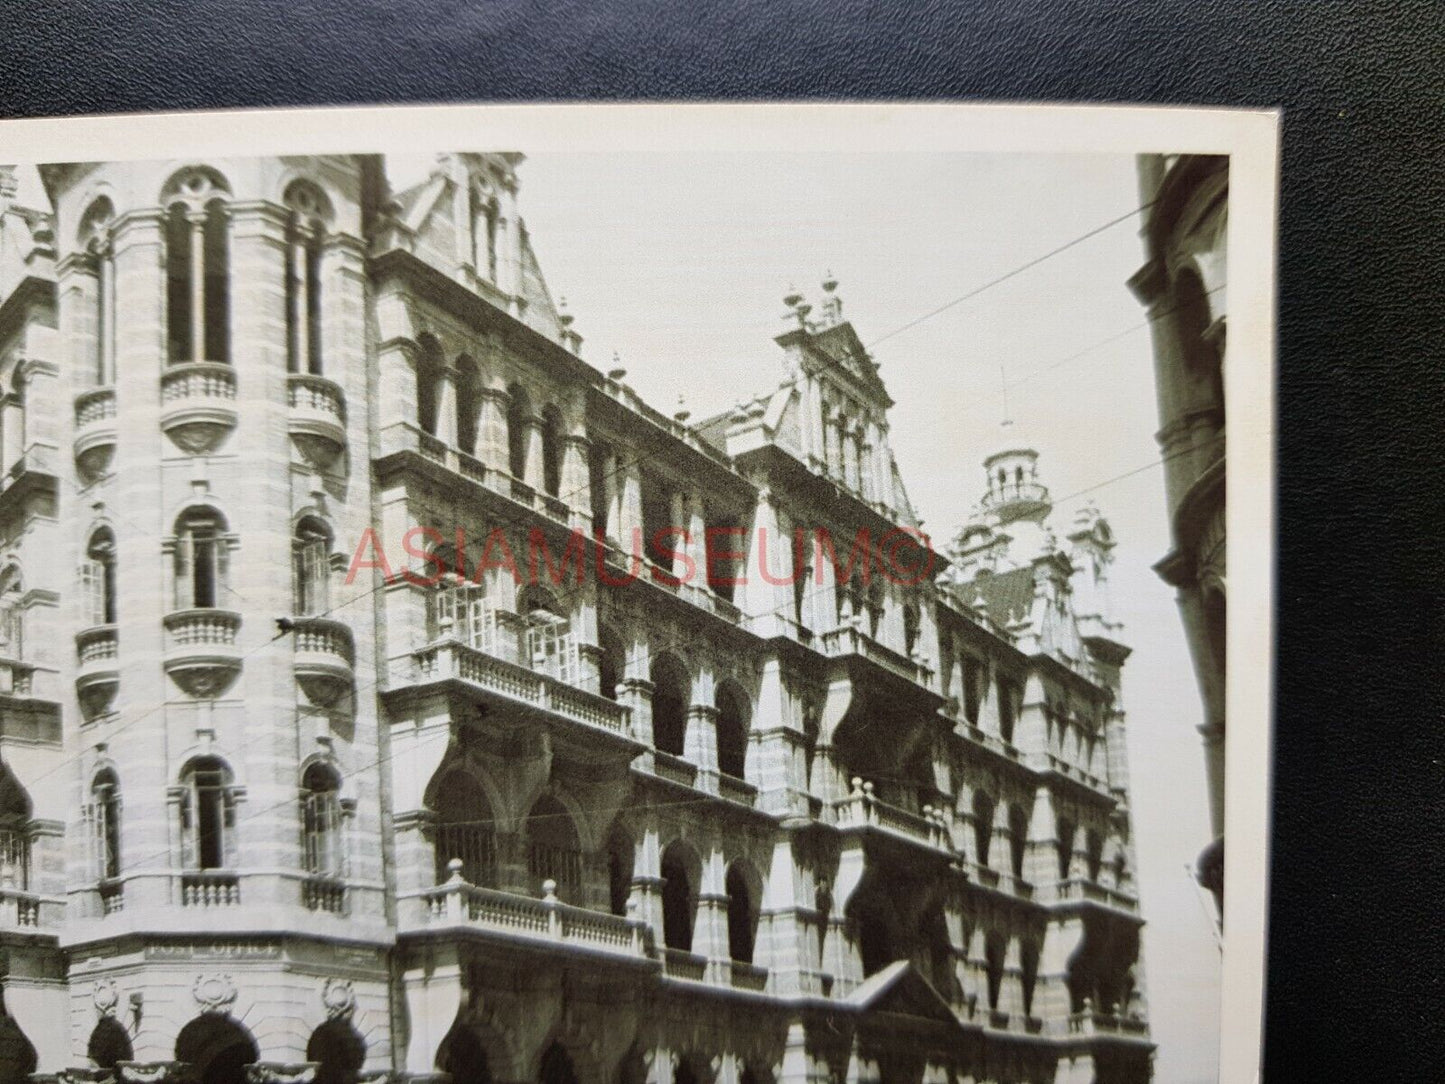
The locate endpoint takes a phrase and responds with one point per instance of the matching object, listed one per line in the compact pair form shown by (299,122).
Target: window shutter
(182,597)
(189,856)
(228,829)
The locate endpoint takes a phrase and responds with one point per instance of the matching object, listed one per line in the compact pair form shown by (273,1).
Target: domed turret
(1014,491)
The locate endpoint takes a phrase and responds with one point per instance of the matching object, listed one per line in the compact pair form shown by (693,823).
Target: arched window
(465,829)
(1066,847)
(552,449)
(1018,824)
(802,579)
(15,810)
(1201,356)
(429,368)
(217,1049)
(198,301)
(619,872)
(983,807)
(874,932)
(994,950)
(94,239)
(463,1058)
(208,815)
(732,731)
(1029,973)
(311,567)
(202,560)
(322,851)
(610,664)
(12,613)
(483,217)
(557,1066)
(103,813)
(601,483)
(1094,852)
(1007,708)
(97,579)
(875,608)
(306,234)
(519,419)
(912,623)
(671,694)
(973,685)
(469,403)
(109,1043)
(552,850)
(679,896)
(742,914)
(723,541)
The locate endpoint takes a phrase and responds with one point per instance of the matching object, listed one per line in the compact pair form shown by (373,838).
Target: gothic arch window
(1029,973)
(217,1049)
(722,541)
(619,871)
(201,560)
(429,368)
(310,567)
(983,807)
(1007,708)
(483,219)
(974,679)
(519,420)
(681,872)
(1018,822)
(1066,847)
(12,613)
(469,403)
(671,694)
(552,449)
(553,853)
(465,829)
(207,815)
(323,851)
(15,812)
(994,950)
(1094,852)
(912,626)
(94,241)
(198,275)
(600,485)
(306,234)
(97,578)
(611,663)
(875,608)
(732,731)
(743,905)
(1202,360)
(103,815)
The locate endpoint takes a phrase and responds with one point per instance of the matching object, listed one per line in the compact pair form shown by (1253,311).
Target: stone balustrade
(864,809)
(210,888)
(850,640)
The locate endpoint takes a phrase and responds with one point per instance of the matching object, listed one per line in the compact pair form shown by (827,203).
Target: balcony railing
(524,918)
(198,404)
(680,964)
(95,430)
(863,809)
(324,894)
(847,640)
(452,660)
(748,976)
(1080,888)
(1090,1022)
(96,650)
(318,413)
(1079,775)
(210,888)
(19,910)
(737,790)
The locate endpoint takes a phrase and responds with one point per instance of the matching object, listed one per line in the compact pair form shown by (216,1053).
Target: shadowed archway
(339,1050)
(217,1048)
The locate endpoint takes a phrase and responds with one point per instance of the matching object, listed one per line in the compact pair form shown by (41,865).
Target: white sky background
(679,263)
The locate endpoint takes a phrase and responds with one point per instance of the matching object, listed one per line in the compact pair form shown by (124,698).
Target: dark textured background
(1355,989)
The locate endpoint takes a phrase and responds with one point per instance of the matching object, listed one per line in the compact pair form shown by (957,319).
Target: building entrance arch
(217,1049)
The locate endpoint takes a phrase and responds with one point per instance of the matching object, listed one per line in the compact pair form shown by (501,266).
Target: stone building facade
(1183,285)
(360,718)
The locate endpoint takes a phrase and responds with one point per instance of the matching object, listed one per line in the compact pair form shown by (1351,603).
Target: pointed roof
(900,989)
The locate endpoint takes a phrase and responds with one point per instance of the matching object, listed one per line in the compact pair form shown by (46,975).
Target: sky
(678,264)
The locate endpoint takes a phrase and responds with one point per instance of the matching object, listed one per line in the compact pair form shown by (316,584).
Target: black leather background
(1355,986)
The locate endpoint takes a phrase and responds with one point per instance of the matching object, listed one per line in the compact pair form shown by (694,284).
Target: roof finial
(682,414)
(832,303)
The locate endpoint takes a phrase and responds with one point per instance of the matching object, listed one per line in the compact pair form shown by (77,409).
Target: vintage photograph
(496,610)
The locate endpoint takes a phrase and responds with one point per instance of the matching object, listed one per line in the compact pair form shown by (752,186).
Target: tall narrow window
(15,811)
(519,418)
(1007,708)
(311,568)
(201,560)
(552,450)
(1018,825)
(742,915)
(619,873)
(670,696)
(679,899)
(912,623)
(732,732)
(208,815)
(307,233)
(483,215)
(1066,848)
(12,614)
(553,853)
(97,579)
(104,817)
(461,611)
(95,229)
(465,830)
(469,403)
(198,274)
(321,832)
(429,368)
(983,807)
